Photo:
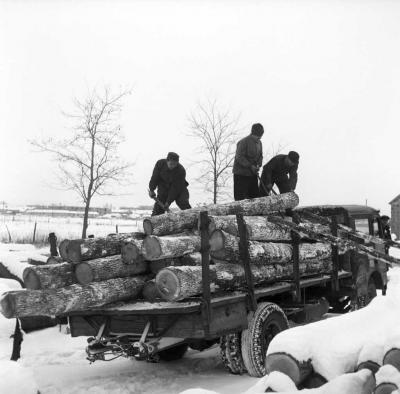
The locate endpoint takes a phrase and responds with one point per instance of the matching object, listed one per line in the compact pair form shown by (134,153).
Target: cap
(257,129)
(173,156)
(294,157)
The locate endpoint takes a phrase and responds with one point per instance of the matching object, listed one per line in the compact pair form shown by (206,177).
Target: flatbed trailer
(243,322)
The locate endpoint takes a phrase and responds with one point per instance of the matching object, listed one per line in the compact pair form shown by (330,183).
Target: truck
(242,322)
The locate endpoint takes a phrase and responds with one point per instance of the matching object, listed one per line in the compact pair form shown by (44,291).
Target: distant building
(395,216)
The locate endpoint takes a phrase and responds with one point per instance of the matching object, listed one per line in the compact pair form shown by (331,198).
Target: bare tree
(217,131)
(88,160)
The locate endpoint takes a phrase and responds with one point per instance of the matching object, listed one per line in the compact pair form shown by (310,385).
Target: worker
(282,171)
(169,177)
(248,161)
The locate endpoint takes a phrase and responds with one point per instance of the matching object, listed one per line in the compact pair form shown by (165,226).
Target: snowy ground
(53,362)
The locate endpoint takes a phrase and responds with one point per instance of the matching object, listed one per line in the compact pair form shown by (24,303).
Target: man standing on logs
(248,160)
(169,178)
(282,171)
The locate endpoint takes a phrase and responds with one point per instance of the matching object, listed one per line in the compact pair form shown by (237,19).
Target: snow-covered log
(49,276)
(107,268)
(131,251)
(158,248)
(187,259)
(371,355)
(93,248)
(225,246)
(176,222)
(387,380)
(52,302)
(177,283)
(392,357)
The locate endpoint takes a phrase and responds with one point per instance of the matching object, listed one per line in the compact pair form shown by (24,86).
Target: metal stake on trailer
(296,261)
(205,271)
(335,256)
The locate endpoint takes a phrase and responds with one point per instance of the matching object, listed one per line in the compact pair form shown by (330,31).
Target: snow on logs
(107,268)
(176,222)
(52,302)
(177,283)
(224,246)
(92,248)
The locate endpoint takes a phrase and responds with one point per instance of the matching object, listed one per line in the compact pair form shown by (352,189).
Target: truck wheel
(268,321)
(173,353)
(231,353)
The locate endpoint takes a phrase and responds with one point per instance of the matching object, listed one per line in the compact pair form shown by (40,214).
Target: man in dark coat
(282,171)
(169,177)
(248,160)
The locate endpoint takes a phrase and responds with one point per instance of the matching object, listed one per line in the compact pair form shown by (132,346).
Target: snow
(17,379)
(388,374)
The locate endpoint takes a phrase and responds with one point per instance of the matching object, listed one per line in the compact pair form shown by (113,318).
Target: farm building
(395,216)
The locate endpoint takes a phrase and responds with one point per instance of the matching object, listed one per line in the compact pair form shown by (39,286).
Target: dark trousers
(245,187)
(182,201)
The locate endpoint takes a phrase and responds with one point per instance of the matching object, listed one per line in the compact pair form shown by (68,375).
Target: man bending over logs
(248,160)
(169,178)
(282,171)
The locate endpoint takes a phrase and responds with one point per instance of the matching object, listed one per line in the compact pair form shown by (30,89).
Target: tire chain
(231,353)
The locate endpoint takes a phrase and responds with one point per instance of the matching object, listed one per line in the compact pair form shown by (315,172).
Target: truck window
(362,225)
(376,228)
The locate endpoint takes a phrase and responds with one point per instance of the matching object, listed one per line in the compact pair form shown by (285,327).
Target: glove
(152,194)
(166,207)
(254,169)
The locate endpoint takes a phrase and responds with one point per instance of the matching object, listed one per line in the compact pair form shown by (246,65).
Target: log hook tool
(159,203)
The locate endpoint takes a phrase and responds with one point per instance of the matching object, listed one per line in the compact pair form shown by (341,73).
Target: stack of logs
(164,262)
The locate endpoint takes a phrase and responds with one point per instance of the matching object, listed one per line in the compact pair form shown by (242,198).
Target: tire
(231,353)
(173,353)
(268,320)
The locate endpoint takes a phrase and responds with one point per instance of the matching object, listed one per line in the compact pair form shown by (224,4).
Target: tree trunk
(86,217)
(178,283)
(63,249)
(297,371)
(107,268)
(49,276)
(150,292)
(188,259)
(173,223)
(159,248)
(224,246)
(53,302)
(93,248)
(131,251)
(258,228)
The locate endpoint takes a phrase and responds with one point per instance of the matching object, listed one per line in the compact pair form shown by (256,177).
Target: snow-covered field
(20,228)
(53,362)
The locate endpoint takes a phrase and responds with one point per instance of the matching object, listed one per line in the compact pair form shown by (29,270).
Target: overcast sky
(323,77)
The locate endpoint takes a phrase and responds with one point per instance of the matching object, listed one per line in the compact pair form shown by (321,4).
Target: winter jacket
(276,171)
(169,182)
(248,153)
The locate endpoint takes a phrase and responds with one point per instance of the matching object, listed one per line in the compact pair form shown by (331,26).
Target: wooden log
(288,365)
(173,223)
(54,260)
(37,261)
(178,283)
(158,248)
(188,259)
(93,248)
(49,276)
(392,357)
(131,251)
(150,292)
(63,249)
(107,268)
(53,302)
(225,246)
(371,365)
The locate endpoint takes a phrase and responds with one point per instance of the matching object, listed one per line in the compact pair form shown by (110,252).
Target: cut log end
(392,357)
(84,273)
(7,306)
(31,279)
(147,226)
(74,251)
(217,241)
(371,365)
(150,292)
(63,249)
(152,248)
(168,285)
(385,388)
(285,363)
(130,253)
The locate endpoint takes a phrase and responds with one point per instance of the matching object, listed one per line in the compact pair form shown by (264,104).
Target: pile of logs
(164,262)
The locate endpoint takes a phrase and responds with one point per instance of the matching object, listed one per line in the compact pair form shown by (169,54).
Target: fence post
(116,228)
(34,233)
